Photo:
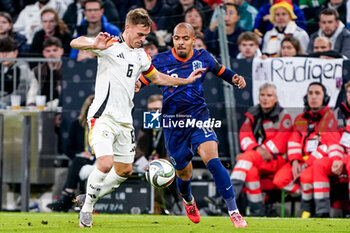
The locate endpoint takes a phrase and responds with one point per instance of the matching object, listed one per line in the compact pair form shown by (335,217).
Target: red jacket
(273,129)
(319,127)
(344,124)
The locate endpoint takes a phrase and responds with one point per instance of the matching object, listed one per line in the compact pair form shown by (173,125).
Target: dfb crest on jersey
(196,64)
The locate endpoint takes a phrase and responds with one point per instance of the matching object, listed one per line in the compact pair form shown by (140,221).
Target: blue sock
(184,187)
(223,182)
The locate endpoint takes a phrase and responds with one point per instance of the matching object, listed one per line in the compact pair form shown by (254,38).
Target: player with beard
(187,103)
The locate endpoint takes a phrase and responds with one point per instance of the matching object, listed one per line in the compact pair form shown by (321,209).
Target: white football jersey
(118,69)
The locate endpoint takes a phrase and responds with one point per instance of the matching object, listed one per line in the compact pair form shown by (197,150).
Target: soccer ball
(160,173)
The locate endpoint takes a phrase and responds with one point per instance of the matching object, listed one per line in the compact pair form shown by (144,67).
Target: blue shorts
(182,143)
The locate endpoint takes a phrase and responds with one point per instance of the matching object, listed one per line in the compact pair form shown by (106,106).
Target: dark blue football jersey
(186,100)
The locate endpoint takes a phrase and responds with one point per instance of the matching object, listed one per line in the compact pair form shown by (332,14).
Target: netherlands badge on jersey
(196,65)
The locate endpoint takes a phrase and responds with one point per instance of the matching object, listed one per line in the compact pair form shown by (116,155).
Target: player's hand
(137,86)
(265,154)
(194,75)
(296,169)
(101,41)
(238,81)
(337,167)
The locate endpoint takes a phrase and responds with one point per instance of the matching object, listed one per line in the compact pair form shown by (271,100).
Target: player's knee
(183,175)
(125,172)
(105,163)
(105,168)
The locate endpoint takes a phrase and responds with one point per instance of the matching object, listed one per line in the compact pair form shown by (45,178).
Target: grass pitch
(68,222)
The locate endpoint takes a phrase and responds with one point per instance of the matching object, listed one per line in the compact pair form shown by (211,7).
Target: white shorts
(108,137)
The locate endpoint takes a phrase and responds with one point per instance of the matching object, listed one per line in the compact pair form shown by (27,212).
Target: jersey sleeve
(218,69)
(212,63)
(146,61)
(149,72)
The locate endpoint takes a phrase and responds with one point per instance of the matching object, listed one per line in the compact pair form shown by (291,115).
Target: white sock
(112,181)
(230,212)
(93,189)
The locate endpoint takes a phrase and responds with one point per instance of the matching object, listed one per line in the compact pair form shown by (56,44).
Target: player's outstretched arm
(100,42)
(161,79)
(229,76)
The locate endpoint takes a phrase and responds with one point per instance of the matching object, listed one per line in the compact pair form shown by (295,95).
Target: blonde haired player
(120,62)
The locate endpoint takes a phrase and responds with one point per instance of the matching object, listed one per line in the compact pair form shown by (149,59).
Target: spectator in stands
(6,30)
(314,136)
(94,23)
(180,8)
(52,26)
(339,6)
(332,28)
(232,31)
(28,21)
(248,14)
(323,49)
(199,43)
(282,17)
(150,145)
(248,45)
(290,47)
(195,18)
(310,7)
(263,139)
(151,44)
(322,44)
(79,151)
(159,12)
(263,19)
(19,72)
(333,166)
(52,48)
(74,14)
